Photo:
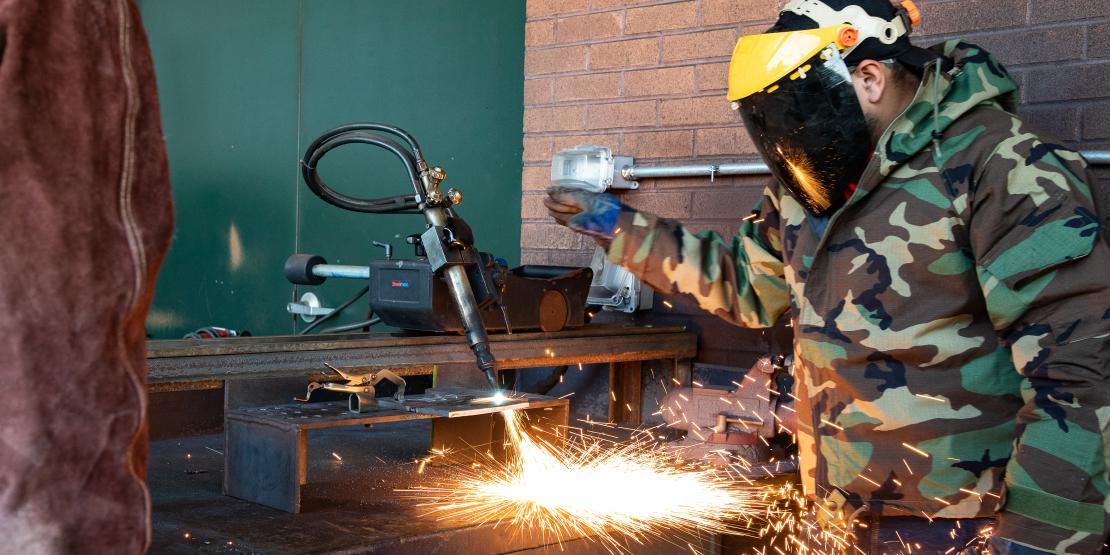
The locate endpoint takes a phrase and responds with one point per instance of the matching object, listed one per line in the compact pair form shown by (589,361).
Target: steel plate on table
(453,403)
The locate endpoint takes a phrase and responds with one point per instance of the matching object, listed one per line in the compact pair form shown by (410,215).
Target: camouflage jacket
(951,325)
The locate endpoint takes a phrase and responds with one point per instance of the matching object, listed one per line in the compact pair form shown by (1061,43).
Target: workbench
(351,503)
(238,364)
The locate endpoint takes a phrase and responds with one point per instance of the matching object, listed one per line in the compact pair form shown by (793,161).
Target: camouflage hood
(940,101)
(953,308)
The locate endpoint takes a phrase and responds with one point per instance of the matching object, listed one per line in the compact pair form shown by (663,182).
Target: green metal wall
(245,85)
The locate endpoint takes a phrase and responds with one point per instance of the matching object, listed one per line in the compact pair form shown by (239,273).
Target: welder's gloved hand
(594,214)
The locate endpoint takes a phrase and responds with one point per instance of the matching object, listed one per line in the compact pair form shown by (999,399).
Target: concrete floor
(349,506)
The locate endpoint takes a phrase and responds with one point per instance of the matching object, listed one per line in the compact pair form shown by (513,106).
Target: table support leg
(264,464)
(625,384)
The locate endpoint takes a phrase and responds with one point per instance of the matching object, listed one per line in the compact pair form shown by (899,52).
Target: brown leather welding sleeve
(85,221)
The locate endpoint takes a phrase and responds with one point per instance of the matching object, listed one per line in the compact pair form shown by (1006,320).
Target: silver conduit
(636,173)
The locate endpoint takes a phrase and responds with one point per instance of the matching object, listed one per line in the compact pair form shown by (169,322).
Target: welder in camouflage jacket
(951,316)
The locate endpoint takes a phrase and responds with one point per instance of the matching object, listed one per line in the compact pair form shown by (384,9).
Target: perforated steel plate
(456,402)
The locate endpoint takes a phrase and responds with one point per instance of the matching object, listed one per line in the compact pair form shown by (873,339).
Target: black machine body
(408,294)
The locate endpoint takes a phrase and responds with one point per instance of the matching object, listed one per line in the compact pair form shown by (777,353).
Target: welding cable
(349,327)
(369,126)
(335,312)
(415,156)
(398,204)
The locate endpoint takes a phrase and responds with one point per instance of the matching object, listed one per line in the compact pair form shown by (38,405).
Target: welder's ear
(870,81)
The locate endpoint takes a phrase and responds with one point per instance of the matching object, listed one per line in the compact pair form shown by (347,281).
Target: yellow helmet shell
(758,61)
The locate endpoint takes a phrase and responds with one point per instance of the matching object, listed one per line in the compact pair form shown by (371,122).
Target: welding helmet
(793,90)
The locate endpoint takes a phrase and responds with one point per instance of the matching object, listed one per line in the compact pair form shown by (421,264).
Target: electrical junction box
(615,288)
(590,168)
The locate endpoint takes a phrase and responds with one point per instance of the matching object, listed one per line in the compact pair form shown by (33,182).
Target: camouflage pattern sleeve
(1043,269)
(740,280)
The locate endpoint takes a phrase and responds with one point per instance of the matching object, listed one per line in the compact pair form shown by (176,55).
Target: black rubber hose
(371,129)
(370,126)
(383,205)
(349,327)
(335,312)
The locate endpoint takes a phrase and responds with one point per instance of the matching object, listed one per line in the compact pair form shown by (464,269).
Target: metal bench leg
(264,464)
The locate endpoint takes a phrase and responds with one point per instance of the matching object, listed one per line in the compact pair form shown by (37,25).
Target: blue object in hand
(593,214)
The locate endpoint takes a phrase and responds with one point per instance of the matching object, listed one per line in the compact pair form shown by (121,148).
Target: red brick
(719,12)
(711,77)
(591,26)
(621,114)
(1096,122)
(696,46)
(532,208)
(673,204)
(624,53)
(651,82)
(723,141)
(1063,10)
(1098,41)
(568,141)
(538,33)
(1068,83)
(733,203)
(539,91)
(658,144)
(540,8)
(548,236)
(559,118)
(588,87)
(664,17)
(537,149)
(652,184)
(607,4)
(558,258)
(1026,47)
(696,111)
(535,178)
(554,60)
(942,18)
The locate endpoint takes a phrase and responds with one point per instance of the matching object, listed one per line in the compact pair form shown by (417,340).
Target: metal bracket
(360,387)
(620,180)
(308,308)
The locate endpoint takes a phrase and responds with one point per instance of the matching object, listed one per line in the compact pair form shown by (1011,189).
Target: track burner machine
(449,286)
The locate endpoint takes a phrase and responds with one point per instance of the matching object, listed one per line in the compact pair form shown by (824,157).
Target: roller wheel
(298,269)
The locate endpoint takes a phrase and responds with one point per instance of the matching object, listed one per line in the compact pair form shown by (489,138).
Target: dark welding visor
(811,132)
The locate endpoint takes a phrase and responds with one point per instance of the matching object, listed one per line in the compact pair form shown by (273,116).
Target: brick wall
(647,79)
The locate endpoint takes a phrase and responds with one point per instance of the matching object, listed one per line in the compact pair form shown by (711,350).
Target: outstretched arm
(740,279)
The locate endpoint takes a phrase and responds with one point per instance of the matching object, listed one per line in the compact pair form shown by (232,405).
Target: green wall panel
(246,85)
(227,81)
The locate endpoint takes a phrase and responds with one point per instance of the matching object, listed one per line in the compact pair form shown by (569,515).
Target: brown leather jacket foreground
(85,221)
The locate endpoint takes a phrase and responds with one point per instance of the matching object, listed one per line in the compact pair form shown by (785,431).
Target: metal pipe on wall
(635,173)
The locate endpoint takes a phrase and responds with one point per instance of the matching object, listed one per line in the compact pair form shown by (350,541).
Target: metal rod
(341,271)
(1097,157)
(635,173)
(463,296)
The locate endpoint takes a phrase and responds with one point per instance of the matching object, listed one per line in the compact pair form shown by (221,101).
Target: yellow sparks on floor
(590,487)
